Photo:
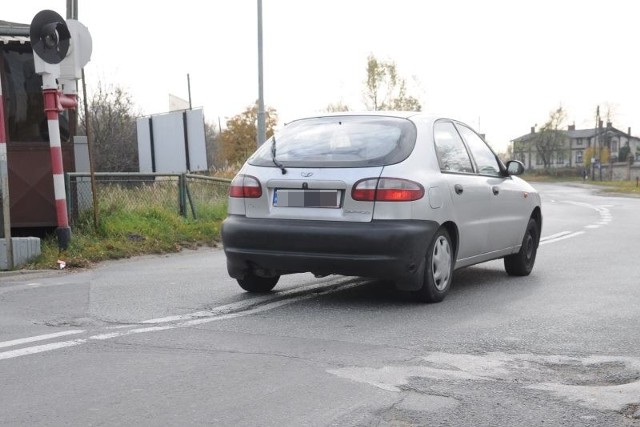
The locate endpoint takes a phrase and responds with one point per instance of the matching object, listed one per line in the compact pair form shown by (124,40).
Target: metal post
(92,168)
(72,9)
(52,109)
(4,186)
(189,90)
(262,134)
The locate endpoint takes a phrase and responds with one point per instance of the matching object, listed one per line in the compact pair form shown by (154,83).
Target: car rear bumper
(378,249)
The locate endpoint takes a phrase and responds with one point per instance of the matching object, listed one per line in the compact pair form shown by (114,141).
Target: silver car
(400,196)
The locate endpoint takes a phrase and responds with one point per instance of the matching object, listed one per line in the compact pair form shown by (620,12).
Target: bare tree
(113,124)
(337,107)
(551,138)
(385,90)
(213,145)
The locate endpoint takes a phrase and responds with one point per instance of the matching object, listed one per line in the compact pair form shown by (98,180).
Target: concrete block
(24,250)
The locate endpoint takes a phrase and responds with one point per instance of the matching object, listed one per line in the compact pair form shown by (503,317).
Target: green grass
(123,233)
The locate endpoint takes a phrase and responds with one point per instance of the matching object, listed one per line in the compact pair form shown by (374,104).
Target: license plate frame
(306,198)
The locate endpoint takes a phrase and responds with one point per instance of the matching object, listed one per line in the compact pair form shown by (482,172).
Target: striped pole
(4,185)
(52,108)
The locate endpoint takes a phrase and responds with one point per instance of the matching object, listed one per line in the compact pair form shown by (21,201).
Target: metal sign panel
(172,142)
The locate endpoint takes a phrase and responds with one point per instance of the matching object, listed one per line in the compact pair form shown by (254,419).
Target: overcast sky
(500,66)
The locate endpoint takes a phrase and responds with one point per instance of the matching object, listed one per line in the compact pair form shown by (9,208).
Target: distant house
(570,153)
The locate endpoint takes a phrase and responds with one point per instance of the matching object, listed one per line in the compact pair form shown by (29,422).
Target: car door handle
(496,190)
(458,188)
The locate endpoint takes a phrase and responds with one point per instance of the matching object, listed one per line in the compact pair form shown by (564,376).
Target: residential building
(574,145)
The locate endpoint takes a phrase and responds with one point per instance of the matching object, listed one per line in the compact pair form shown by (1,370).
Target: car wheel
(253,283)
(438,271)
(521,264)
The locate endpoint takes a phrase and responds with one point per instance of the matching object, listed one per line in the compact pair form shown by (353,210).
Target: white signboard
(172,142)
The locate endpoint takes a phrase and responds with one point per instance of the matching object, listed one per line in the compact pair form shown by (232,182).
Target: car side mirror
(515,167)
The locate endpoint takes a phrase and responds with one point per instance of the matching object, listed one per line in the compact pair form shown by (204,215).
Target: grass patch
(123,233)
(623,187)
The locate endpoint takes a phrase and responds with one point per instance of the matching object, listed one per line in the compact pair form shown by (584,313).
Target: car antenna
(273,156)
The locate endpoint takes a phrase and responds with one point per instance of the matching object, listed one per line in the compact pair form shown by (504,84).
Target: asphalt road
(171,340)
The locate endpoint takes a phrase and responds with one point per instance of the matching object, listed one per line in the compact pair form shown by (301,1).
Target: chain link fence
(195,196)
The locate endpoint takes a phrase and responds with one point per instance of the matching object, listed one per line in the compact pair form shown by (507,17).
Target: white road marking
(194,319)
(241,305)
(40,349)
(555,236)
(605,219)
(223,316)
(21,341)
(563,237)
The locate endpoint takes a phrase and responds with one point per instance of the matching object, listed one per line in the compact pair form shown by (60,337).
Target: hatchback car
(401,196)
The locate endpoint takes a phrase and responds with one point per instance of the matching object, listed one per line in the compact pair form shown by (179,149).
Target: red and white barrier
(52,108)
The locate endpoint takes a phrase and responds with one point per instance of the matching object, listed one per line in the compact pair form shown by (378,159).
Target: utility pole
(72,9)
(4,187)
(189,90)
(595,145)
(261,136)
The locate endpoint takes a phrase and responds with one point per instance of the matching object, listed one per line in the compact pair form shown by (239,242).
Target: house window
(579,155)
(579,141)
(614,145)
(560,158)
(539,160)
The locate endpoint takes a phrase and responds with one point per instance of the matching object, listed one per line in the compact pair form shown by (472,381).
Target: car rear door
(470,194)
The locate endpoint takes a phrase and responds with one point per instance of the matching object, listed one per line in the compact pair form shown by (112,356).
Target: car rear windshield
(339,141)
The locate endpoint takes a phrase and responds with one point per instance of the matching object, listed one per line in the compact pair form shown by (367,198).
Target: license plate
(306,198)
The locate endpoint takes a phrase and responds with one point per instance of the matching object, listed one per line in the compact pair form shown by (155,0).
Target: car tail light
(245,186)
(386,190)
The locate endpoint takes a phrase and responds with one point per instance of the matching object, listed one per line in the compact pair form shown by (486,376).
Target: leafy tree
(385,90)
(239,138)
(601,153)
(623,154)
(551,138)
(604,155)
(112,117)
(589,153)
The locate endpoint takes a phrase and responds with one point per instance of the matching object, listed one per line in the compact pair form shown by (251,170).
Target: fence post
(67,186)
(182,199)
(188,197)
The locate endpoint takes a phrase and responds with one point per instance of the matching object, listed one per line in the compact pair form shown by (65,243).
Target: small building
(575,143)
(28,154)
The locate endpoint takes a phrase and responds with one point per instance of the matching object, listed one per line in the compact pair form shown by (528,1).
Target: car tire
(257,284)
(438,271)
(521,264)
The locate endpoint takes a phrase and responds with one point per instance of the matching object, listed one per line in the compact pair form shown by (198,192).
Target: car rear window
(339,141)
